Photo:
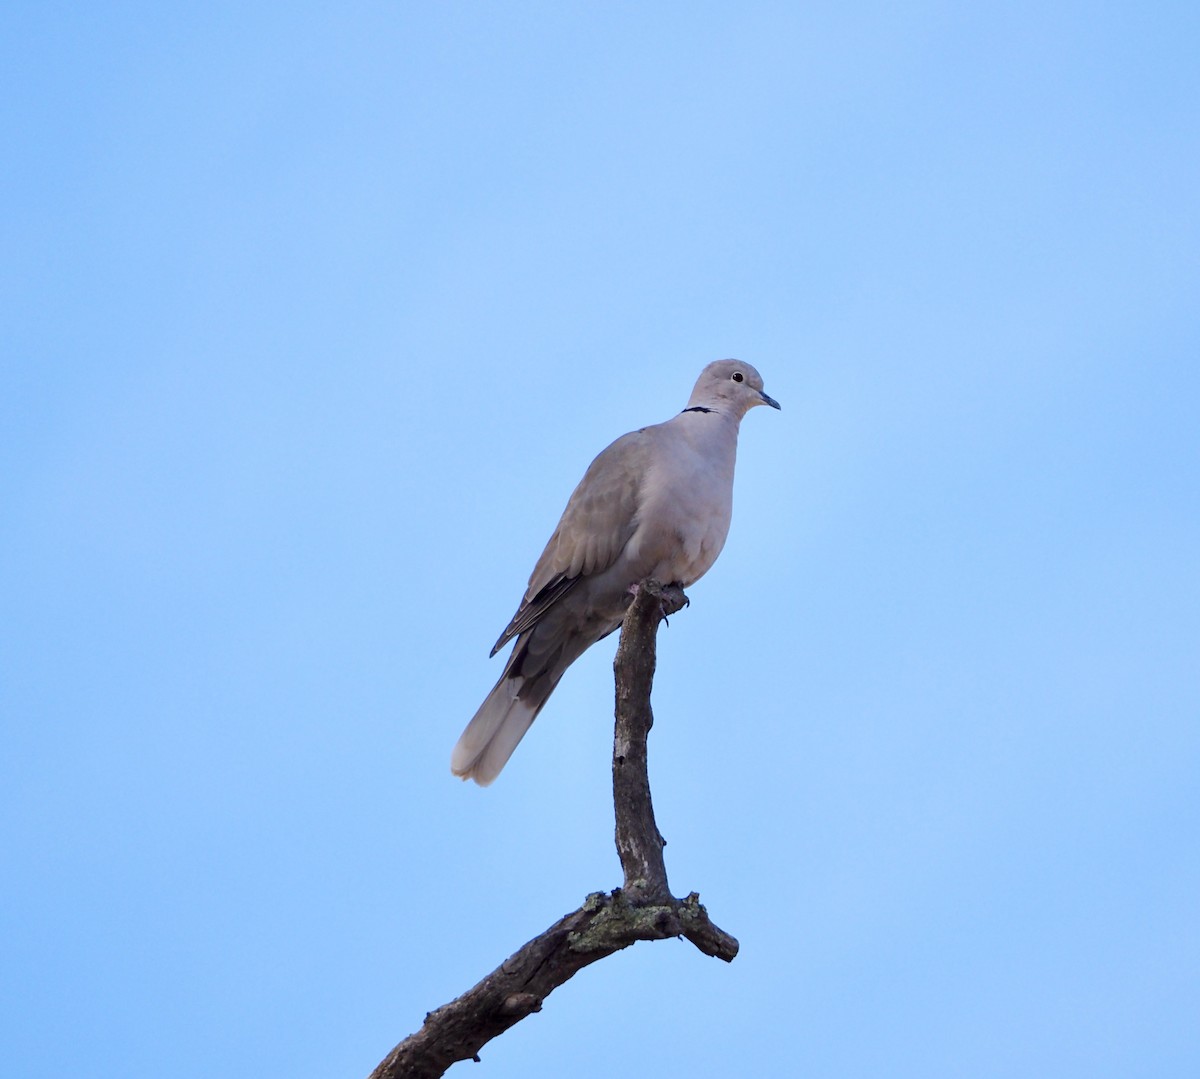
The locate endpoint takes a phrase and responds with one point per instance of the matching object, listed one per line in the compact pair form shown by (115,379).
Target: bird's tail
(501,722)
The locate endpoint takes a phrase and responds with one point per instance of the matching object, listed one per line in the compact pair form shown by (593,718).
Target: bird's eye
(737,376)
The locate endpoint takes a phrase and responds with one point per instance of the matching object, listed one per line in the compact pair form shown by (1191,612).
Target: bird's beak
(769,400)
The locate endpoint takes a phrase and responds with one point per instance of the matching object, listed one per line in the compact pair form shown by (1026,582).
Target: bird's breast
(684,518)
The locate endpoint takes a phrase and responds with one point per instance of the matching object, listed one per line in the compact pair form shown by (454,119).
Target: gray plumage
(655,504)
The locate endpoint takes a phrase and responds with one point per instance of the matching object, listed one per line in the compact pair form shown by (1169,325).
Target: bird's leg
(676,595)
(671,597)
(672,600)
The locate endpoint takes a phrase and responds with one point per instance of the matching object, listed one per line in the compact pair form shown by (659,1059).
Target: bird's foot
(672,601)
(671,597)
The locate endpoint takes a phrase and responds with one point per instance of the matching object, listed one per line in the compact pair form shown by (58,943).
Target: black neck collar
(699,408)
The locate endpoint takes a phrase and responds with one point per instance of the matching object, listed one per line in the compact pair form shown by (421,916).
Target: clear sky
(312,318)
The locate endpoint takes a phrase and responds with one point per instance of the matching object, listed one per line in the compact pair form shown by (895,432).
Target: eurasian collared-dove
(655,504)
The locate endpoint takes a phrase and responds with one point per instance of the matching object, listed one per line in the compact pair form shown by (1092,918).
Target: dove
(656,504)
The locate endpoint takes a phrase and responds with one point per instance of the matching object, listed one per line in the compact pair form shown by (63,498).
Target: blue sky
(312,319)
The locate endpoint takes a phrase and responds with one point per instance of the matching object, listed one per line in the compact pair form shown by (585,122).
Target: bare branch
(639,843)
(643,910)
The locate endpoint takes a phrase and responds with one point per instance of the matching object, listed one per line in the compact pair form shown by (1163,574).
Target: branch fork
(642,909)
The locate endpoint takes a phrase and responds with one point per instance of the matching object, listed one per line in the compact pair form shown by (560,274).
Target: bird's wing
(599,520)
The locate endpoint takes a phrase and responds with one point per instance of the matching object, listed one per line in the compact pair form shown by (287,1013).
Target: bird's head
(730,386)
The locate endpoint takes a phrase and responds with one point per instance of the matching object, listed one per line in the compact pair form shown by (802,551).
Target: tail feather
(500,724)
(493,733)
(496,753)
(530,675)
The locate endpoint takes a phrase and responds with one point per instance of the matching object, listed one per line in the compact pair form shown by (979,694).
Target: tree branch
(643,909)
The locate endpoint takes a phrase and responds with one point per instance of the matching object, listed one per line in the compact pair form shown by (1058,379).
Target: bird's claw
(671,597)
(672,600)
